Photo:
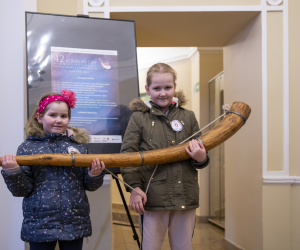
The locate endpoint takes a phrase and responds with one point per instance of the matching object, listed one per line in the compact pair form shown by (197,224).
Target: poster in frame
(94,57)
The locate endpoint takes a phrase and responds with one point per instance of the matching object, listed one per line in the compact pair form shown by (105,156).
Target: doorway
(216,166)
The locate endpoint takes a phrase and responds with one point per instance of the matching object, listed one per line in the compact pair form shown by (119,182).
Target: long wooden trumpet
(233,121)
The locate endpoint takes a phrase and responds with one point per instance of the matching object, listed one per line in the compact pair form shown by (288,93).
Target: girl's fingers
(141,207)
(136,204)
(145,199)
(188,152)
(9,161)
(9,158)
(136,208)
(102,165)
(132,206)
(96,161)
(97,167)
(194,144)
(202,148)
(200,145)
(3,160)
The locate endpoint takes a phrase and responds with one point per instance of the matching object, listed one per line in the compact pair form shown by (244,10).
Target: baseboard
(228,245)
(202,219)
(118,205)
(120,216)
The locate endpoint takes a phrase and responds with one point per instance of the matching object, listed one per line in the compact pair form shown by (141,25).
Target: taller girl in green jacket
(171,194)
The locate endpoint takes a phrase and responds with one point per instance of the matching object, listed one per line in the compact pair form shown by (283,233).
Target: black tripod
(135,235)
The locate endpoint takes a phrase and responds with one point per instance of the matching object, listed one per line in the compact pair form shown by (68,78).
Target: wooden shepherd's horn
(235,118)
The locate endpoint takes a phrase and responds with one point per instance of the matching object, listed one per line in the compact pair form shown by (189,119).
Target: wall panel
(243,152)
(275,90)
(294,55)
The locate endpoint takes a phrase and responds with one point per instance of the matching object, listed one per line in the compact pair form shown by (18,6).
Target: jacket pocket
(36,204)
(79,199)
(191,186)
(157,195)
(27,204)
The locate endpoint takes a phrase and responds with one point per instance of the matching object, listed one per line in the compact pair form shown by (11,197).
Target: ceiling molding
(287,180)
(210,49)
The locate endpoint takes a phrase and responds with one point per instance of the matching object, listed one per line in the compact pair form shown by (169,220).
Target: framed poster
(95,58)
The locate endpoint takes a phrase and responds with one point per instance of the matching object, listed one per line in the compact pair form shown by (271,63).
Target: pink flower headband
(67,96)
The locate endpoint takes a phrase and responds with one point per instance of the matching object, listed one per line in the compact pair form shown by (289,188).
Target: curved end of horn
(236,118)
(241,108)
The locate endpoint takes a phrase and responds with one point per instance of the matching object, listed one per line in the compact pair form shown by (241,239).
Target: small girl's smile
(56,119)
(162,90)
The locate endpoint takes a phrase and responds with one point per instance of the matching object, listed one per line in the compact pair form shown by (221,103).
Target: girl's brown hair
(33,124)
(160,68)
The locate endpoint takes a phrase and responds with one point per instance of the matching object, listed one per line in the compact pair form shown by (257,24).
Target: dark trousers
(63,245)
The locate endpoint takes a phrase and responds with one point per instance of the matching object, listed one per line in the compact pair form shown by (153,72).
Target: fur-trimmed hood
(138,104)
(33,128)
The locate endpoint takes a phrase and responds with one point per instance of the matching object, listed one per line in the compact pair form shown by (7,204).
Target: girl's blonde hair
(160,68)
(33,124)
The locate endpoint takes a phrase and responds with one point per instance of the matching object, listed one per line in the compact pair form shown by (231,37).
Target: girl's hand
(97,168)
(9,161)
(197,151)
(136,202)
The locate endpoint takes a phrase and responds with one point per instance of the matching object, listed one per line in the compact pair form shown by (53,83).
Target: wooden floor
(206,237)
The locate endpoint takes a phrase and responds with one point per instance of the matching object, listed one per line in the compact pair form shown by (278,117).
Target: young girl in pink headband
(55,205)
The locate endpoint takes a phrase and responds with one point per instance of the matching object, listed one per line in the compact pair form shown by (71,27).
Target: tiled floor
(206,237)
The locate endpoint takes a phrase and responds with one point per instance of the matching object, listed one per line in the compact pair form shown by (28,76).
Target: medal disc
(176,125)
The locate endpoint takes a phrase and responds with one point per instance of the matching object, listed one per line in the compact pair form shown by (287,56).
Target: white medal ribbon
(176,125)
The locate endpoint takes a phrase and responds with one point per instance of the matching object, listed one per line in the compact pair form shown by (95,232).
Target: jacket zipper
(152,128)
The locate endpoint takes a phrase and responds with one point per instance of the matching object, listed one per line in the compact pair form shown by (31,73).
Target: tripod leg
(135,235)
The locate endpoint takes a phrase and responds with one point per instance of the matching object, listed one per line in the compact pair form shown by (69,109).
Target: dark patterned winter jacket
(55,206)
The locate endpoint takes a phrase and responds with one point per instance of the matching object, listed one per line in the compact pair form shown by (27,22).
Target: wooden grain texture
(214,137)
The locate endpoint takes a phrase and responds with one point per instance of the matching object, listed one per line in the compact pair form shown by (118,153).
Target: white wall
(13,117)
(243,152)
(12,28)
(101,217)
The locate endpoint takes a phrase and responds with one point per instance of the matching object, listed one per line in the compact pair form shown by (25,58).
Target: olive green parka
(174,186)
